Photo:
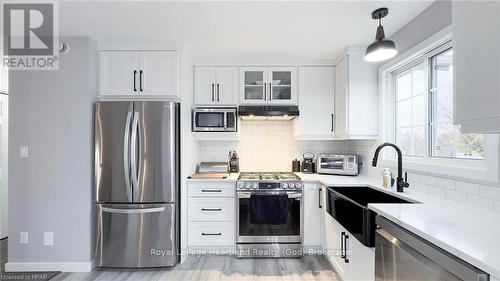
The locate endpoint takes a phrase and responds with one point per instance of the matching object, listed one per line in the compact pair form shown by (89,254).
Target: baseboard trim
(48,266)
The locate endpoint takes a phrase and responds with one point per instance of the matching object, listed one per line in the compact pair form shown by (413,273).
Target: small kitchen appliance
(296,166)
(337,164)
(214,119)
(234,162)
(308,163)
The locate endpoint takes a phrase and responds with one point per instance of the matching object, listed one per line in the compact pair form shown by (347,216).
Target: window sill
(463,169)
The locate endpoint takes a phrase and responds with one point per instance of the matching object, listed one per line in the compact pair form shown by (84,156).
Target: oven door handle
(291,194)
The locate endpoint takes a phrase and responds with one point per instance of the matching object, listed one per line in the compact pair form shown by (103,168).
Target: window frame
(483,170)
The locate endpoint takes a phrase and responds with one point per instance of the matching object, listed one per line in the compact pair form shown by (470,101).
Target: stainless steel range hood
(284,112)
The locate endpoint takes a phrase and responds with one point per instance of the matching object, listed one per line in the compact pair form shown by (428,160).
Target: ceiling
(280,30)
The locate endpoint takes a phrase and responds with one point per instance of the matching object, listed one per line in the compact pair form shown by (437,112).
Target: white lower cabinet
(313,214)
(211,234)
(358,263)
(211,223)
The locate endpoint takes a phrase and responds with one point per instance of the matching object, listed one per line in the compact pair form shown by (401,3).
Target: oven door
(335,164)
(269,217)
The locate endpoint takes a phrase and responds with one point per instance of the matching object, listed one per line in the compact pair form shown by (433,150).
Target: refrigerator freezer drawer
(136,235)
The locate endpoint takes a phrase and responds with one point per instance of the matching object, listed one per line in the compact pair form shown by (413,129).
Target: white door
(158,73)
(4,115)
(316,103)
(254,85)
(227,85)
(118,73)
(204,85)
(313,211)
(282,85)
(341,97)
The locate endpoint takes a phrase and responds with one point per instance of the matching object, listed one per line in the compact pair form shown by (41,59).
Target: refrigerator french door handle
(126,154)
(133,152)
(133,211)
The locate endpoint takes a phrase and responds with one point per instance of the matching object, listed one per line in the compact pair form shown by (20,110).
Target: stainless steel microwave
(215,119)
(337,164)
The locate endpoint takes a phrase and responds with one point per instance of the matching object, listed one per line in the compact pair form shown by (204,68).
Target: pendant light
(382,49)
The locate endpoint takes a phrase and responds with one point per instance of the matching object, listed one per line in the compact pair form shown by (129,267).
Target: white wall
(267,146)
(484,195)
(51,112)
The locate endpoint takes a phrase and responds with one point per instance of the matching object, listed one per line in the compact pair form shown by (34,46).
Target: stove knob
(292,185)
(299,186)
(284,185)
(248,185)
(240,185)
(255,185)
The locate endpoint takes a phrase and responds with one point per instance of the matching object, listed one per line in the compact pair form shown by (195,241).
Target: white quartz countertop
(469,233)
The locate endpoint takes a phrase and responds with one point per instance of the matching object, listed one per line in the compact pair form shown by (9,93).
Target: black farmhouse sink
(348,206)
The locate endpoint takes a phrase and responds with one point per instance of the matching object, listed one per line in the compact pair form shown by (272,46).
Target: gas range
(269,181)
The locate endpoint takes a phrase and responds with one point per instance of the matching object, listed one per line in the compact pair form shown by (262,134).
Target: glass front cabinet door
(268,85)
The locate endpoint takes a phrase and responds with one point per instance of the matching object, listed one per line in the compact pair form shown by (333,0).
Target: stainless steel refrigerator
(137,171)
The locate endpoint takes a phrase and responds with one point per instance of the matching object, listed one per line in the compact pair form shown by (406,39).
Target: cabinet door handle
(211,234)
(270,92)
(213,99)
(319,198)
(343,246)
(218,92)
(135,78)
(265,91)
(140,79)
(332,122)
(211,209)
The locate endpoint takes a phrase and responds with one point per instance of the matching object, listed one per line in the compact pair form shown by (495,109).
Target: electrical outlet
(23,152)
(48,238)
(23,237)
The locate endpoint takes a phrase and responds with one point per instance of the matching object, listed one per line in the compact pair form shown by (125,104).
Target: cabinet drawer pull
(211,234)
(218,92)
(211,209)
(211,190)
(319,197)
(343,246)
(140,80)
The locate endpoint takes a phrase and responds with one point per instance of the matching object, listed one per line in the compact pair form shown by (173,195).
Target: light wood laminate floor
(214,268)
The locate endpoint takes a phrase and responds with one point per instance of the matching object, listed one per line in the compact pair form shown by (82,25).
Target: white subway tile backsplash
(480,202)
(420,187)
(445,183)
(497,206)
(489,192)
(437,191)
(467,187)
(455,196)
(428,179)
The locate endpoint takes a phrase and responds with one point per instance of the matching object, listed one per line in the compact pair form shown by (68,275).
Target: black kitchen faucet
(400,183)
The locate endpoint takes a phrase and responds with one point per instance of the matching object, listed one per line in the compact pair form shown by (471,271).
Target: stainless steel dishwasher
(401,255)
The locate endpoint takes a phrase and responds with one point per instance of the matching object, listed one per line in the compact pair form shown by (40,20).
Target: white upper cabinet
(356,97)
(216,85)
(136,73)
(476,45)
(118,73)
(316,103)
(268,85)
(159,73)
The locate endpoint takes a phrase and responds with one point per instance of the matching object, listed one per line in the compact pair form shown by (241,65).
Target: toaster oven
(337,164)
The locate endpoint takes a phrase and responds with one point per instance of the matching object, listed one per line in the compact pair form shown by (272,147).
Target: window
(423,97)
